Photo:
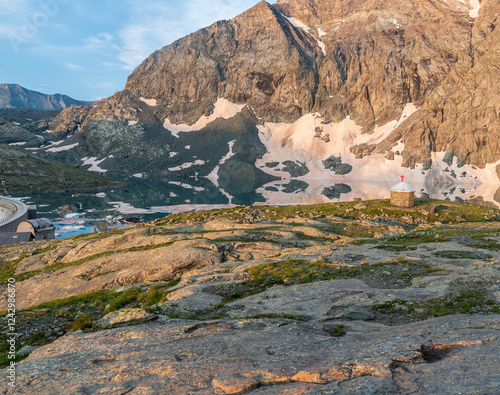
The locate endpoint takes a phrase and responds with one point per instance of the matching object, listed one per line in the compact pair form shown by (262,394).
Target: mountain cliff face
(357,58)
(313,89)
(15,96)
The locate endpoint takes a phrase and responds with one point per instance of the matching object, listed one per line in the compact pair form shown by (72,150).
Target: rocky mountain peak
(316,57)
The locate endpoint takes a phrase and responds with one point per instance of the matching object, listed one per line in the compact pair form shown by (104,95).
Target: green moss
(285,316)
(5,361)
(466,302)
(152,297)
(463,255)
(262,277)
(336,330)
(84,322)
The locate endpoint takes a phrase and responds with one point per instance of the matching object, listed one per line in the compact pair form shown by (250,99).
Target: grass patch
(463,255)
(5,361)
(482,243)
(284,316)
(466,302)
(425,210)
(289,272)
(154,296)
(127,298)
(84,322)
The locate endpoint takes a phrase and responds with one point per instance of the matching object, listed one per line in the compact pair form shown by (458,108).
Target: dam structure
(12,213)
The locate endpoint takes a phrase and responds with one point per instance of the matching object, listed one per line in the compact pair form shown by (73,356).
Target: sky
(87,48)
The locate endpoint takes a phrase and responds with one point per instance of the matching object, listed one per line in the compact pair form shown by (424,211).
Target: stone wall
(403,199)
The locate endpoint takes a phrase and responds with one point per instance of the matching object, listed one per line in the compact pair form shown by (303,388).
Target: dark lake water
(76,213)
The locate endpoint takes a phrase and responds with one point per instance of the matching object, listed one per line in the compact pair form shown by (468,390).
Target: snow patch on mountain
(395,21)
(184,166)
(322,46)
(63,148)
(213,176)
(310,141)
(475,6)
(296,23)
(94,164)
(149,102)
(223,109)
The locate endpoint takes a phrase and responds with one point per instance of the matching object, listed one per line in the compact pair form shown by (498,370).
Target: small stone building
(41,229)
(402,195)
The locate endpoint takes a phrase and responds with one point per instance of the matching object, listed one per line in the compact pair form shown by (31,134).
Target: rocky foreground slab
(353,298)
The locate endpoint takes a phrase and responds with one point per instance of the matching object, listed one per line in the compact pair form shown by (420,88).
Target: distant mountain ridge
(15,96)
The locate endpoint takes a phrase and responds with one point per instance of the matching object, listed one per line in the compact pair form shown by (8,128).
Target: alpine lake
(145,200)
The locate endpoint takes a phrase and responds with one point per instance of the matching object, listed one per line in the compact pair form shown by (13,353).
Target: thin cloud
(74,66)
(99,42)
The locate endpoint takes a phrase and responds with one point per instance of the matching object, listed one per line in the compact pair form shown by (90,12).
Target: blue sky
(87,48)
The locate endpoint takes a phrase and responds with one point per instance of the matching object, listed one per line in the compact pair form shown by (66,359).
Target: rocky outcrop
(15,96)
(119,269)
(70,120)
(11,133)
(410,309)
(460,115)
(264,357)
